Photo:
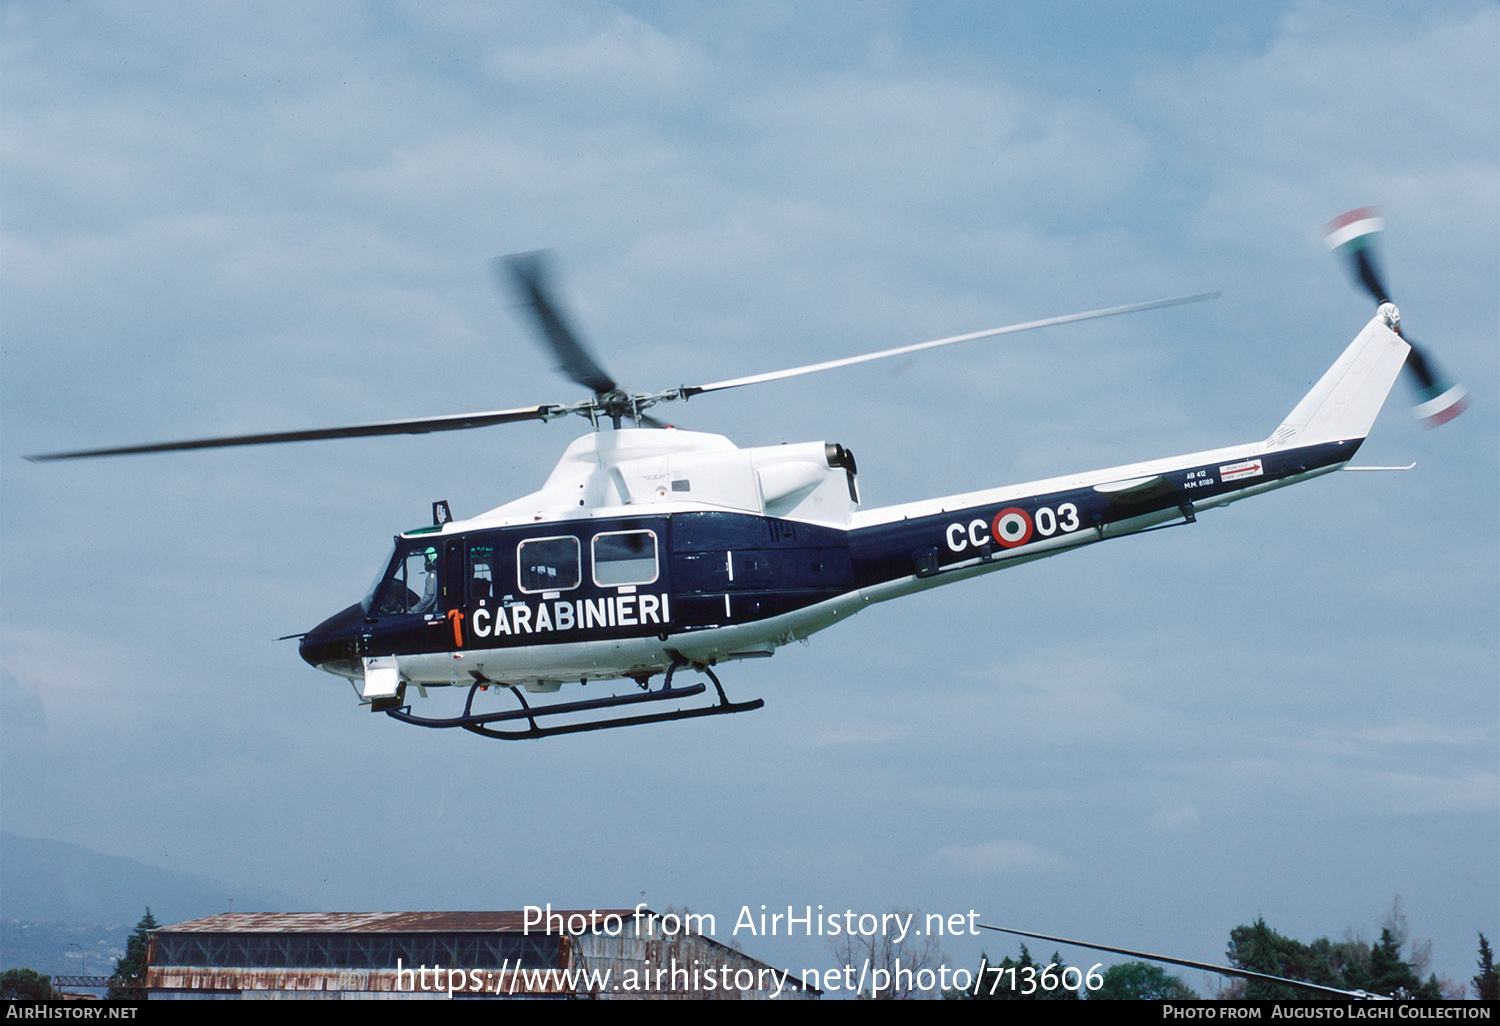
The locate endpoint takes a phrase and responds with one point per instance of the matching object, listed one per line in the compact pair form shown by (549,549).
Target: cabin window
(548,564)
(624,557)
(481,574)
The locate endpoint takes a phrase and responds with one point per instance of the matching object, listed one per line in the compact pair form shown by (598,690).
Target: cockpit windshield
(410,581)
(368,602)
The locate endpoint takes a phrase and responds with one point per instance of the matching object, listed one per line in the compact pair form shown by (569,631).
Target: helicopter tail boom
(920,545)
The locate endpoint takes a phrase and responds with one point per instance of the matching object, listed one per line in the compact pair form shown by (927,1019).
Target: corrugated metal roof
(350,981)
(378,922)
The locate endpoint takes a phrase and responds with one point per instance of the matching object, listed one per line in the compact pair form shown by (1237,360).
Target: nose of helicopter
(330,646)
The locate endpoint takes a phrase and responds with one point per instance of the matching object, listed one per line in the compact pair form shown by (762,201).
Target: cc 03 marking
(1013,526)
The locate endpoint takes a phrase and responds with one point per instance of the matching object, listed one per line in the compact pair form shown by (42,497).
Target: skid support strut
(478,723)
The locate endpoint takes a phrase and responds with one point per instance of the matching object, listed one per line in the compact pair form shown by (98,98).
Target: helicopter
(650,550)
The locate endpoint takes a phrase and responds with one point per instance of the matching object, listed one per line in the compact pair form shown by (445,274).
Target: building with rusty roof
(589,953)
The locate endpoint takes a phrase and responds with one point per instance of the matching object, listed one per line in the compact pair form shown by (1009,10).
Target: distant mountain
(55,882)
(62,949)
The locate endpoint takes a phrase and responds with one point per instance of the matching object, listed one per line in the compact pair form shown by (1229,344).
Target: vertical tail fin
(1346,399)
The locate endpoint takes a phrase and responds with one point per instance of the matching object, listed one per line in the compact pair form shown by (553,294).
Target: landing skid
(476,722)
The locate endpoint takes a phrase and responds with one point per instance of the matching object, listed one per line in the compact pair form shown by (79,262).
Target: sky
(244,217)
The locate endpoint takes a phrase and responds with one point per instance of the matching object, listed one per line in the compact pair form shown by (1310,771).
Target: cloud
(966,147)
(1340,110)
(1417,732)
(614,59)
(1330,784)
(995,858)
(1075,693)
(1475,791)
(1172,819)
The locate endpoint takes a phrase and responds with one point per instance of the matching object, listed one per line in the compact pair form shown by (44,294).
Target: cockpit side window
(411,586)
(548,564)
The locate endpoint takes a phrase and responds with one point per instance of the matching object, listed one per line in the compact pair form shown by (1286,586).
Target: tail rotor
(1354,235)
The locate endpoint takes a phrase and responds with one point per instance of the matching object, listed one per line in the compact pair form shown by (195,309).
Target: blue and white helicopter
(650,549)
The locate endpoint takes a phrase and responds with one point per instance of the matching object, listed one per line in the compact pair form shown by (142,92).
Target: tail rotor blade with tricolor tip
(1438,399)
(1354,235)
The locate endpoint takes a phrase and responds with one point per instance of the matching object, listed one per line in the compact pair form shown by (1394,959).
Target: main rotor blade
(526,274)
(1222,970)
(415,426)
(1113,311)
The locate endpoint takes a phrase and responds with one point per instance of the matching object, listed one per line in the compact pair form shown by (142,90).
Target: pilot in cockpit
(430,583)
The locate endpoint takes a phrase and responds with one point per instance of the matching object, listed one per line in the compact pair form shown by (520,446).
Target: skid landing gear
(477,723)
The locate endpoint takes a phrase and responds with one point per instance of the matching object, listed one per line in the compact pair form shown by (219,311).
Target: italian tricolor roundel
(1012,527)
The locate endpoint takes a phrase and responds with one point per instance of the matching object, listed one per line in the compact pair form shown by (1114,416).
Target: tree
(1487,983)
(1141,981)
(1390,975)
(1348,960)
(130,970)
(25,985)
(1260,949)
(1350,965)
